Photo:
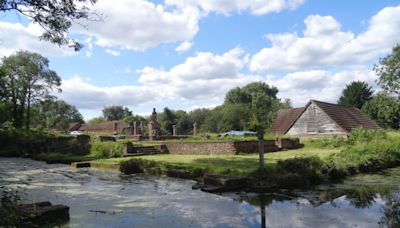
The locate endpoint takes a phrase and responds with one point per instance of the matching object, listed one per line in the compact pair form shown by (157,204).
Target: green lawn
(227,164)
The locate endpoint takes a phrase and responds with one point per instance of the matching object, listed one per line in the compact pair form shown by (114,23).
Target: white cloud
(89,44)
(321,85)
(15,36)
(113,52)
(203,78)
(324,44)
(226,7)
(85,95)
(140,24)
(184,46)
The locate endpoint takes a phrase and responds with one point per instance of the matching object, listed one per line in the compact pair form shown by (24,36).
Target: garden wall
(226,147)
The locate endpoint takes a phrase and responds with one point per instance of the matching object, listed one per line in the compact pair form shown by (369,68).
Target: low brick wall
(200,147)
(226,147)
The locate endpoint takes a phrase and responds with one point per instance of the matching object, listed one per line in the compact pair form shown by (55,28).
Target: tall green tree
(56,114)
(28,80)
(385,110)
(388,71)
(116,112)
(262,102)
(356,94)
(55,17)
(167,119)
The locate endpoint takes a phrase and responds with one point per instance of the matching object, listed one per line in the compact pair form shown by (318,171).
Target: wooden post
(174,130)
(261,148)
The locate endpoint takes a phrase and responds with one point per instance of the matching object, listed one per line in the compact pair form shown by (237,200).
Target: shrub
(10,208)
(310,168)
(364,135)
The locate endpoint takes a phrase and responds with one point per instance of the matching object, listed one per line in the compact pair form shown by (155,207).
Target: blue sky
(187,54)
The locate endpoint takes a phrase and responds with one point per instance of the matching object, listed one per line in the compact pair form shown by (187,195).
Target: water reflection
(104,199)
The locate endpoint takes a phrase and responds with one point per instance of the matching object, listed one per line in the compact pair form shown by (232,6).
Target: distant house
(107,127)
(320,118)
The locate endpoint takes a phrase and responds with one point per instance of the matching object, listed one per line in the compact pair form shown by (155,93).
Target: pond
(108,199)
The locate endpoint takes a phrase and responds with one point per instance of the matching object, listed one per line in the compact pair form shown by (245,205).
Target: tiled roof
(107,126)
(346,117)
(285,119)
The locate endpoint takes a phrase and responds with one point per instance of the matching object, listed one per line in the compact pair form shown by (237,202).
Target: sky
(186,54)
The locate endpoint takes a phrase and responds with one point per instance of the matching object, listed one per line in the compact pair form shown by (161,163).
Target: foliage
(55,114)
(106,149)
(356,94)
(135,118)
(385,110)
(28,80)
(116,112)
(10,208)
(388,71)
(167,120)
(55,17)
(97,120)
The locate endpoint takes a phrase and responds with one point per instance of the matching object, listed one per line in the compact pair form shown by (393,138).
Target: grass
(238,165)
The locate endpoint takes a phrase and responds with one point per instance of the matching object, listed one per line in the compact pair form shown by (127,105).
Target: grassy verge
(236,165)
(320,160)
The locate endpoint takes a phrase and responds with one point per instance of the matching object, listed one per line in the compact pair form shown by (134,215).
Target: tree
(167,119)
(55,17)
(183,123)
(356,94)
(388,71)
(97,120)
(261,101)
(199,116)
(385,110)
(237,96)
(116,112)
(28,80)
(56,114)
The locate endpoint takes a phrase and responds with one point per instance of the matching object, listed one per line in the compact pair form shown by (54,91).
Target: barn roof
(285,119)
(345,117)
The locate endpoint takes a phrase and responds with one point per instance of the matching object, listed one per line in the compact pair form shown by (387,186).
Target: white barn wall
(314,121)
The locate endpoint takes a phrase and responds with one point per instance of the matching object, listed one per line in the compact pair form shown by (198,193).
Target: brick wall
(227,147)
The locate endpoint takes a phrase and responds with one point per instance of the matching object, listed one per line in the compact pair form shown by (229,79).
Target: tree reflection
(391,211)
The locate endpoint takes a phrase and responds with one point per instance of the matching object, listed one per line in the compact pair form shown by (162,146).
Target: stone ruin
(154,127)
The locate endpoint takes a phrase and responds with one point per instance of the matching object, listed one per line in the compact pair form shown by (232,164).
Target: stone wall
(226,147)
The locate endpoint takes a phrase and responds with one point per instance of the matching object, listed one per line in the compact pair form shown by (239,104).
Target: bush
(364,135)
(10,208)
(106,149)
(309,168)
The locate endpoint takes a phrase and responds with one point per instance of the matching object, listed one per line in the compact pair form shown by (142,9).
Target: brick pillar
(135,128)
(194,129)
(115,126)
(174,130)
(141,128)
(150,131)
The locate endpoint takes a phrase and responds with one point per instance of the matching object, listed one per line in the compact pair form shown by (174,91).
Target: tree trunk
(260,134)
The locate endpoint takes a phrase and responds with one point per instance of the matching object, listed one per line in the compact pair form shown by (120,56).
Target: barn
(320,118)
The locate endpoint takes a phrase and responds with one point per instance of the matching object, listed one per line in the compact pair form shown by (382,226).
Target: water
(107,199)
